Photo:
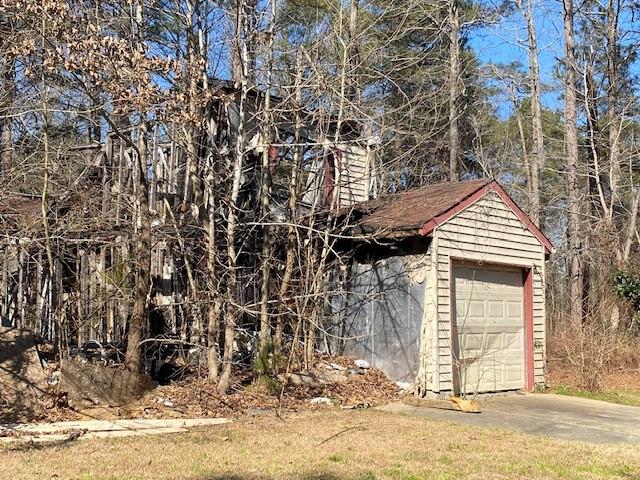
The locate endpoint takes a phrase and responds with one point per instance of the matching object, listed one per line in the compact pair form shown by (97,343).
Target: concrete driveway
(546,415)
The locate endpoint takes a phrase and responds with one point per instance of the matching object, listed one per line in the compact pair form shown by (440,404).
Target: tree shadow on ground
(21,377)
(251,476)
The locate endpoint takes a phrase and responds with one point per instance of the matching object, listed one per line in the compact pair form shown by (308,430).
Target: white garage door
(489,354)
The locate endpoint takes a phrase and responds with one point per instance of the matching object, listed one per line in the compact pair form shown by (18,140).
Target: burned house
(445,290)
(441,286)
(86,296)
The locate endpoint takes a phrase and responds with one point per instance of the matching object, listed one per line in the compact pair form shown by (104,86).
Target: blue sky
(505,43)
(499,43)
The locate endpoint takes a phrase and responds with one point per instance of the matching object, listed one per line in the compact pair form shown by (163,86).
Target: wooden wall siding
(91,295)
(91,292)
(487,231)
(353,175)
(429,354)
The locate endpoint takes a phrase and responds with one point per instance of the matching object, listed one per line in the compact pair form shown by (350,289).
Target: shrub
(594,351)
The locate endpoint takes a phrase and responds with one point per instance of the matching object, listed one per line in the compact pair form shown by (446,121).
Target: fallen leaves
(195,396)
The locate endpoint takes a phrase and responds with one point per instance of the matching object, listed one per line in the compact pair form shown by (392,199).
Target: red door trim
(528,328)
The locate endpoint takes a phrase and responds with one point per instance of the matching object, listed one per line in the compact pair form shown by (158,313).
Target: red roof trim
(524,218)
(431,225)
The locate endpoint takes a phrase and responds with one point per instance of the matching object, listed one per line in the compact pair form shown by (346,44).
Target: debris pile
(362,385)
(336,380)
(85,391)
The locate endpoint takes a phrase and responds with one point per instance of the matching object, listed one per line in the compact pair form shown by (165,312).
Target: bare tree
(537,149)
(572,160)
(232,310)
(454,90)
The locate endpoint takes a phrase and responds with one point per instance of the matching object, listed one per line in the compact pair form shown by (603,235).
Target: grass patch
(622,397)
(367,476)
(592,469)
(367,445)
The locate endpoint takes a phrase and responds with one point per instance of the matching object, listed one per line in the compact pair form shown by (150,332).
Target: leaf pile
(196,396)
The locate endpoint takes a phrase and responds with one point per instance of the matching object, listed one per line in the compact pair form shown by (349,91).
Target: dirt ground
(327,444)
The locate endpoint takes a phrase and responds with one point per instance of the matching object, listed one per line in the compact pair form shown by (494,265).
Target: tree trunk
(265,194)
(614,120)
(142,246)
(6,135)
(232,311)
(215,305)
(213,334)
(193,184)
(353,94)
(615,124)
(293,199)
(523,141)
(572,156)
(454,79)
(595,187)
(537,152)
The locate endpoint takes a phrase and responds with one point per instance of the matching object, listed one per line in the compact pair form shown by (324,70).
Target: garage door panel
(514,374)
(514,341)
(514,309)
(494,342)
(470,310)
(496,308)
(473,342)
(489,320)
(490,374)
(489,340)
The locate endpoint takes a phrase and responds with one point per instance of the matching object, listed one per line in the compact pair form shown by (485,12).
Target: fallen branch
(357,427)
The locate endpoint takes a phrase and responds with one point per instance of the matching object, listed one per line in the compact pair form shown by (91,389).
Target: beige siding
(487,231)
(429,345)
(353,175)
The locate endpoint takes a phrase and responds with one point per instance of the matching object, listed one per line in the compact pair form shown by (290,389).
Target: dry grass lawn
(330,444)
(621,396)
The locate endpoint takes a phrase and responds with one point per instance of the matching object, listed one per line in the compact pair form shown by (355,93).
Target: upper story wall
(341,175)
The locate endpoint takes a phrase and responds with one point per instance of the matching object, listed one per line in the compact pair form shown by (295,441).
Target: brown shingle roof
(412,209)
(420,211)
(18,205)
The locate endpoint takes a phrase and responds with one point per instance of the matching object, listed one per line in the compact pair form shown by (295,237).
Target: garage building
(445,290)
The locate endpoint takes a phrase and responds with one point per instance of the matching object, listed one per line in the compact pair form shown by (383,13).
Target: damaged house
(441,287)
(86,298)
